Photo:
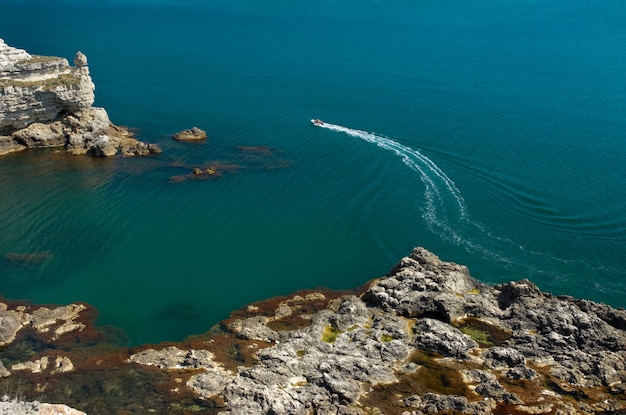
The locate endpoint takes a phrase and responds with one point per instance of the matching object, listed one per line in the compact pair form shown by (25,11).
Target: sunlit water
(491,133)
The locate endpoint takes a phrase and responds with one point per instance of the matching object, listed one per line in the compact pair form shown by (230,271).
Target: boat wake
(446,215)
(443,203)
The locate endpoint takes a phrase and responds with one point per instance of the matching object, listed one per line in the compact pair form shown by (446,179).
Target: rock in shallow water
(193,134)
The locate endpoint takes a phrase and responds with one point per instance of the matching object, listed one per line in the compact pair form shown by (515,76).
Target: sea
(492,133)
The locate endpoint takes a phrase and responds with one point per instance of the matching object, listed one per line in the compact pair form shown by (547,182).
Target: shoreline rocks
(46,103)
(426,338)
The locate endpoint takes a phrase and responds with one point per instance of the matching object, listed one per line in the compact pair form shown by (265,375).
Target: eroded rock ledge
(44,102)
(425,339)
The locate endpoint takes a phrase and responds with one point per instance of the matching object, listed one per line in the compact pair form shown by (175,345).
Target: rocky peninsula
(45,102)
(427,338)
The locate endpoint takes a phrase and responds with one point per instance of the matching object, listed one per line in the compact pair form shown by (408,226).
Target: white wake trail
(428,170)
(444,211)
(446,214)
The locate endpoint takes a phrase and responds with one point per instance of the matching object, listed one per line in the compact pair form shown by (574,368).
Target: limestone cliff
(45,102)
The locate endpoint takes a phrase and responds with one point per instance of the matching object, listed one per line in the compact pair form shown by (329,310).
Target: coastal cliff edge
(45,102)
(427,338)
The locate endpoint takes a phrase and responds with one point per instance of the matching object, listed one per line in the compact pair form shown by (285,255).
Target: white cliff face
(9,55)
(39,88)
(45,102)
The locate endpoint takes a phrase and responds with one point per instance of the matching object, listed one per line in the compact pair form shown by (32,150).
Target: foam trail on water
(443,202)
(445,214)
(413,159)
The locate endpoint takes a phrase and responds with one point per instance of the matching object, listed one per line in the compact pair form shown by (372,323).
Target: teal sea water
(492,133)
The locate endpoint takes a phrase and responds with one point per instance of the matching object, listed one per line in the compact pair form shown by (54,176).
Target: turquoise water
(491,133)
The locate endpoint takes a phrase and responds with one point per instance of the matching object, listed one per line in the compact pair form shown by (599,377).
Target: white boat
(317,121)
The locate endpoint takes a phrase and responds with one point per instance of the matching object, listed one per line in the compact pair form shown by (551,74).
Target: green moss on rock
(330,334)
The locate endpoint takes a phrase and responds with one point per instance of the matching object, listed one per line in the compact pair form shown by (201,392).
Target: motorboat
(317,121)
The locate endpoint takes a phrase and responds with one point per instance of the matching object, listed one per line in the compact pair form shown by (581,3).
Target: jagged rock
(8,57)
(521,372)
(3,370)
(41,319)
(174,358)
(421,286)
(90,131)
(39,135)
(9,145)
(80,59)
(102,147)
(10,323)
(62,318)
(210,382)
(442,338)
(61,364)
(432,403)
(494,390)
(254,328)
(412,309)
(351,312)
(46,103)
(503,357)
(193,134)
(425,339)
(36,366)
(283,310)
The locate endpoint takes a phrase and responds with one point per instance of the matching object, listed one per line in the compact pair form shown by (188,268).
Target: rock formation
(14,407)
(193,134)
(46,103)
(55,322)
(425,339)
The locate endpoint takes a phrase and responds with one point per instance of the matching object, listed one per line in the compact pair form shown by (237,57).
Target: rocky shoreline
(425,339)
(46,103)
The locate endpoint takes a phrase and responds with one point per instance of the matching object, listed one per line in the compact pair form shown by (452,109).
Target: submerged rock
(36,258)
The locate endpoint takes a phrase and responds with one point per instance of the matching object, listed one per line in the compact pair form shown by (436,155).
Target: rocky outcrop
(44,102)
(12,407)
(55,322)
(193,134)
(38,325)
(425,339)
